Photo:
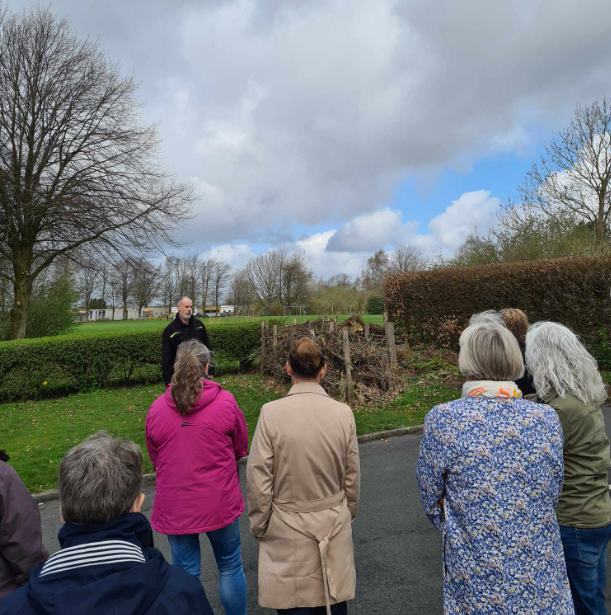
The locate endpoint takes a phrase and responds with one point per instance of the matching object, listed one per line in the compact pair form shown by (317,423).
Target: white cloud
(235,254)
(472,210)
(326,264)
(347,249)
(367,233)
(312,112)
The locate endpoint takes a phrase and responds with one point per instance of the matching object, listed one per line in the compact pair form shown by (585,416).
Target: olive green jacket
(585,501)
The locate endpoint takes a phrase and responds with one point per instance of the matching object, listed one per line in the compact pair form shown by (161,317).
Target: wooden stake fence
(348,366)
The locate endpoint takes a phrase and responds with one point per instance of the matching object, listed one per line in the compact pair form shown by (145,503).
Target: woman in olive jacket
(566,377)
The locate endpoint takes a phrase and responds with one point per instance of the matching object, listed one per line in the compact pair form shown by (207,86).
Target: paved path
(381,535)
(397,551)
(424,575)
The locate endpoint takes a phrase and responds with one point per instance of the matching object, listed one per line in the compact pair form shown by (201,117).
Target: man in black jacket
(184,327)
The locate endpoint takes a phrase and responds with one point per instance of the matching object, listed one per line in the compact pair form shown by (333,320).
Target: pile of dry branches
(371,375)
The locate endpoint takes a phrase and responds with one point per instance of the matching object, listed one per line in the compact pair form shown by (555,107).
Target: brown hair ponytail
(187,386)
(306,358)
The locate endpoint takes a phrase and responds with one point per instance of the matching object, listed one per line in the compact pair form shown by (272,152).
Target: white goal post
(292,307)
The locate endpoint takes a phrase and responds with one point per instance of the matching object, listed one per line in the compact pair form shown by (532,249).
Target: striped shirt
(93,554)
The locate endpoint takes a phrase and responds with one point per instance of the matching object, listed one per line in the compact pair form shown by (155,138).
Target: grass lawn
(37,434)
(122,325)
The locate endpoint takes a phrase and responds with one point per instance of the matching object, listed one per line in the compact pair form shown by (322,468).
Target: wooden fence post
(385,319)
(294,321)
(390,340)
(275,335)
(263,340)
(290,337)
(366,330)
(331,326)
(348,366)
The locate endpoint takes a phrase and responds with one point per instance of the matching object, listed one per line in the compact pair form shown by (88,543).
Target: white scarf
(491,388)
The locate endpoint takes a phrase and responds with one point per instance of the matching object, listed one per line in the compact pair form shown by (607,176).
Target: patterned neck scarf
(491,388)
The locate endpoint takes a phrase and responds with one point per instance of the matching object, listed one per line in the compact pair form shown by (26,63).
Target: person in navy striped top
(107,562)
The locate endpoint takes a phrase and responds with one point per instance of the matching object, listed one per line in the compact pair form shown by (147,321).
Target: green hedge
(435,306)
(83,362)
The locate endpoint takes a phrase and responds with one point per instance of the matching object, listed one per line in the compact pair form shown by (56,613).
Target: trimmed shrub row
(81,362)
(434,306)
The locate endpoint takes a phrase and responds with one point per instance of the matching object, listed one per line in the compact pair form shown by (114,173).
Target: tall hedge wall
(81,362)
(435,305)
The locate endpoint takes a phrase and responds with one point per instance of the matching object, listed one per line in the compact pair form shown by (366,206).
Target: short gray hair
(488,317)
(182,299)
(99,479)
(489,351)
(560,364)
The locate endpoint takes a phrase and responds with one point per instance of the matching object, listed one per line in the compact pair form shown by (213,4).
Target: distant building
(106,314)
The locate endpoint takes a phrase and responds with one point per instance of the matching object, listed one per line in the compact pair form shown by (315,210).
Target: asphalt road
(382,537)
(397,550)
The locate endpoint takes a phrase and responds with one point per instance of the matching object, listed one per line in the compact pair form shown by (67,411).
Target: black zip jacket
(174,335)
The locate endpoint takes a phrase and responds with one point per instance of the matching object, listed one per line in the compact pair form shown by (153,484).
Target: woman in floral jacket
(490,475)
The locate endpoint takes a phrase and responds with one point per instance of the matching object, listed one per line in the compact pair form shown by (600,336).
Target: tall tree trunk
(600,223)
(204,297)
(22,288)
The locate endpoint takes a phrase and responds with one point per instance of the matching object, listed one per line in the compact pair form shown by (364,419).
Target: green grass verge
(37,434)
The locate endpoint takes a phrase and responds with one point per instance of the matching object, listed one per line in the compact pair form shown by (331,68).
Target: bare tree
(188,272)
(114,286)
(104,279)
(76,167)
(220,278)
(88,278)
(296,277)
(264,273)
(146,283)
(373,276)
(240,291)
(405,258)
(169,282)
(573,180)
(340,279)
(206,272)
(125,279)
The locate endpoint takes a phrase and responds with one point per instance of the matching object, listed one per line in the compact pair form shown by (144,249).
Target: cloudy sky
(343,126)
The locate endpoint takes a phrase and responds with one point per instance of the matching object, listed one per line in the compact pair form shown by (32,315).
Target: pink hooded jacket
(198,486)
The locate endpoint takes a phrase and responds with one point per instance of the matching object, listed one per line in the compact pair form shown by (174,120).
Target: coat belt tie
(281,508)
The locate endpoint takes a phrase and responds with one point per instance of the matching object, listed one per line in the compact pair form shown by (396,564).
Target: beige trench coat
(303,492)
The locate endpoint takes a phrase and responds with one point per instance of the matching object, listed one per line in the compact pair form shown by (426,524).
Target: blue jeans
(586,565)
(226,546)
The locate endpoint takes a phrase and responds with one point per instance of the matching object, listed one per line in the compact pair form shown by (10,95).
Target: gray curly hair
(560,364)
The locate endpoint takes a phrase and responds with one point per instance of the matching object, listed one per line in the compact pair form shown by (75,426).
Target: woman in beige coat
(303,493)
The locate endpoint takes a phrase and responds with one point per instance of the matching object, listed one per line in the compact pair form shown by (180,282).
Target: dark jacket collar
(181,323)
(128,576)
(132,527)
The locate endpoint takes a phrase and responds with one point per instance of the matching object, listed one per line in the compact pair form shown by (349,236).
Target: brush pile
(372,378)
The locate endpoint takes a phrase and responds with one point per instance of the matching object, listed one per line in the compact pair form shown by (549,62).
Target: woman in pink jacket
(195,433)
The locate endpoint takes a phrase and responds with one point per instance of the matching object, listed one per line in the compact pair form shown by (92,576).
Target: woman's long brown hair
(187,385)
